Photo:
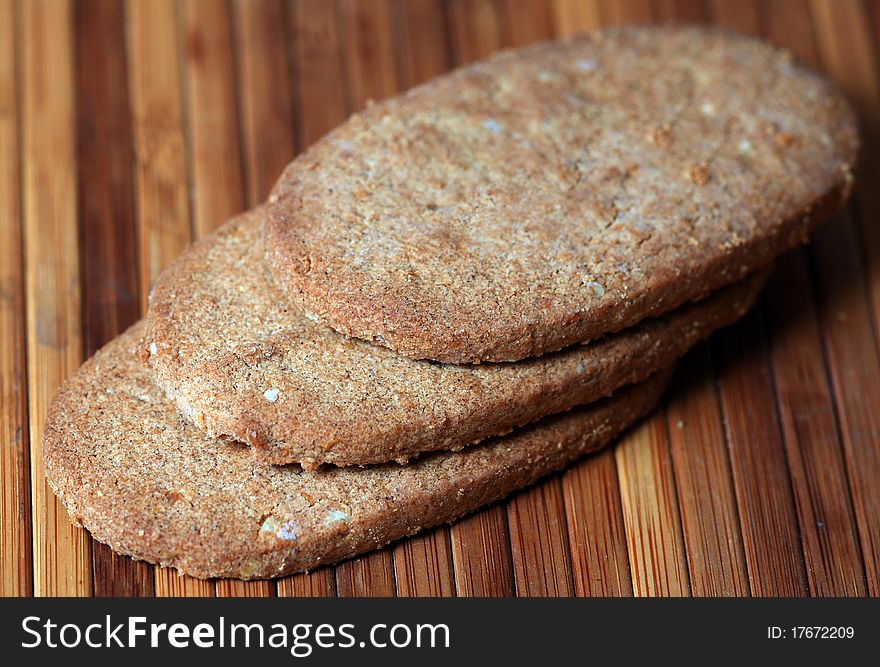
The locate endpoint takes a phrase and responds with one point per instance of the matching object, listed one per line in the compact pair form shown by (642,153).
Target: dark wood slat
(319,87)
(371,575)
(527,21)
(481,554)
(162,187)
(161,179)
(423,565)
(539,541)
(107,225)
(422,34)
(735,14)
(844,261)
(211,113)
(368,51)
(573,16)
(476,29)
(650,510)
(16,574)
(627,11)
(599,560)
(61,552)
(320,583)
(106,191)
(711,529)
(855,373)
(264,93)
(681,11)
(815,460)
(757,455)
(846,35)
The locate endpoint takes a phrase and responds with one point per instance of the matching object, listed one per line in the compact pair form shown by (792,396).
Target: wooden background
(127,129)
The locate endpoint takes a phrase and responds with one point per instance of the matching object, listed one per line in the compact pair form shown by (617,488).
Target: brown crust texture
(240,361)
(150,485)
(553,194)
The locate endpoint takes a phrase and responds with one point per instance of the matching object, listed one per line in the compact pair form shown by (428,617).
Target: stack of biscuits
(453,294)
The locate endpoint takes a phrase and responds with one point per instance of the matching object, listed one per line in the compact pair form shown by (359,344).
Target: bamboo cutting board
(130,128)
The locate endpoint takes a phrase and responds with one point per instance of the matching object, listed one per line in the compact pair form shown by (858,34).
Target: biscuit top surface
(556,193)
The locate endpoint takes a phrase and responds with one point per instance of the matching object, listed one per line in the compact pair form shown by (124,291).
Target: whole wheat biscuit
(556,193)
(241,362)
(145,482)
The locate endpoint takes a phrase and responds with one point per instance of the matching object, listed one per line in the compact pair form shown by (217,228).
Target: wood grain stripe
(481,554)
(681,11)
(855,373)
(739,15)
(813,447)
(848,52)
(710,524)
(573,16)
(757,455)
(211,113)
(650,510)
(626,11)
(161,181)
(368,53)
(16,576)
(61,552)
(264,94)
(319,88)
(597,537)
(539,542)
(421,30)
(423,565)
(476,29)
(527,21)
